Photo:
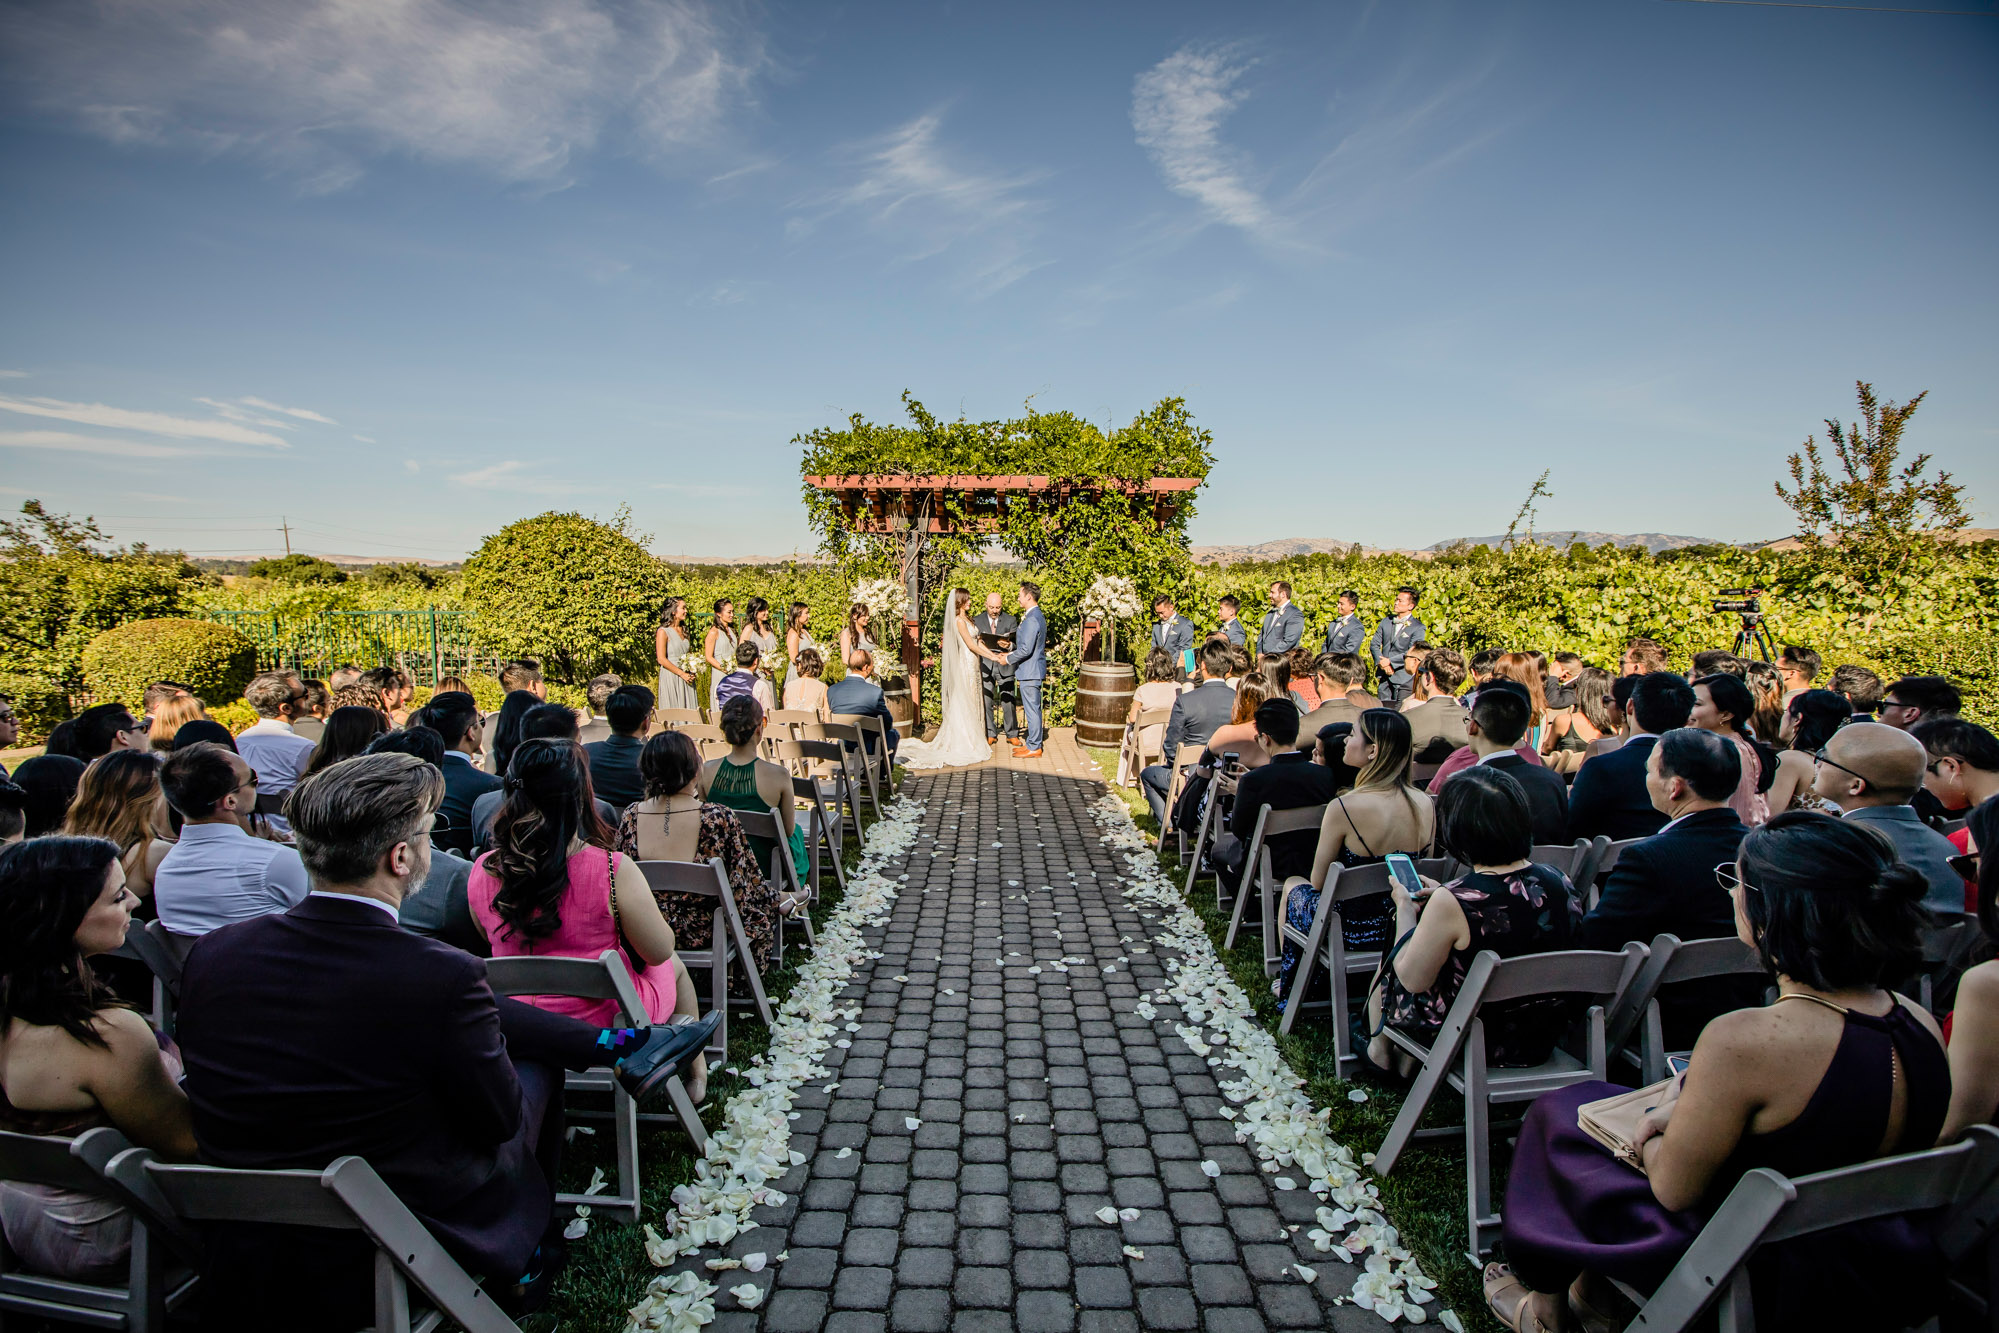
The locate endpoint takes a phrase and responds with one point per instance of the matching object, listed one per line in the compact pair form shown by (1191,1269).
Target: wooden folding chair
(1220,787)
(782,724)
(728,939)
(827,826)
(604,977)
(1458,1059)
(707,738)
(782,869)
(1324,945)
(677,717)
(346,1196)
(1765,1208)
(1669,961)
(160,1277)
(1133,753)
(880,767)
(1257,877)
(853,757)
(825,758)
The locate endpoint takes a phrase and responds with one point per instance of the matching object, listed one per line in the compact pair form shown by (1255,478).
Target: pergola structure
(908,507)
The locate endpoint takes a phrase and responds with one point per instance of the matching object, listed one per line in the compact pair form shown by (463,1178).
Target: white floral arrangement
(692,663)
(888,605)
(1111,597)
(1273,1116)
(753,1149)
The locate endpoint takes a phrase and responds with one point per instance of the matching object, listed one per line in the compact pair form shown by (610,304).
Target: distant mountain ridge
(1284,548)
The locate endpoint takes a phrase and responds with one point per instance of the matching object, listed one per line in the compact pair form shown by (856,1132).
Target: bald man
(1870,771)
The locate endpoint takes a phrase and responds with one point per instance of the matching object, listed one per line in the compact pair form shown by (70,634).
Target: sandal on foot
(1511,1300)
(1587,1316)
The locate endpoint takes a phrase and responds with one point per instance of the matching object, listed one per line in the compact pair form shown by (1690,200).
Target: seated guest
(121,801)
(1724,706)
(614,761)
(1289,781)
(1717,661)
(1666,885)
(1304,682)
(1914,699)
(1974,1024)
(451,685)
(1238,735)
(438,906)
(1436,715)
(50,782)
(1591,727)
(1276,669)
(395,689)
(1240,662)
(1609,797)
(1382,814)
(1341,698)
(107,727)
(270,746)
(523,674)
(1797,667)
(1870,772)
(1158,688)
(169,716)
(397,1051)
(1860,687)
(347,733)
(506,730)
(344,676)
(597,693)
(1481,666)
(857,692)
(218,873)
(1642,657)
(1197,714)
(204,730)
(1329,752)
(542,722)
(1847,1073)
(1494,731)
(318,703)
(1507,903)
(72,1057)
(1620,711)
(805,692)
(62,740)
(13,812)
(1963,773)
(1465,756)
(1809,721)
(673,823)
(455,717)
(746,681)
(1522,670)
(1767,688)
(742,780)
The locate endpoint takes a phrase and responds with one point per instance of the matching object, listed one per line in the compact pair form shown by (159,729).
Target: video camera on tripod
(1753,634)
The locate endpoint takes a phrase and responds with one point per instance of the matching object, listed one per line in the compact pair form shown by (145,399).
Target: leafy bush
(37,706)
(297,569)
(235,715)
(214,661)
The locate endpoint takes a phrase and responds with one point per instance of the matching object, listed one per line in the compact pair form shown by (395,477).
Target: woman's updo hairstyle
(1829,902)
(668,763)
(741,717)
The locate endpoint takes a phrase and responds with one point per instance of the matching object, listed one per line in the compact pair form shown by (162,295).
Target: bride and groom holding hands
(961,740)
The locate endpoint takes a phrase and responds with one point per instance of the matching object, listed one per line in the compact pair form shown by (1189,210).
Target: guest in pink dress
(552,887)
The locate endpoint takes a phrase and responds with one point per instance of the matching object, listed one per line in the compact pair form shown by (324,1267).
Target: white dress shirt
(278,753)
(217,875)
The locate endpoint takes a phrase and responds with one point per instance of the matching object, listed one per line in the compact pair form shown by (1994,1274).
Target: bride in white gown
(961,740)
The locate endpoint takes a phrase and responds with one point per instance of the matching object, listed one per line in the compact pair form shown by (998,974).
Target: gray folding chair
(874,762)
(1668,962)
(1257,877)
(819,743)
(1324,944)
(1220,786)
(1569,858)
(781,869)
(346,1196)
(677,717)
(162,952)
(1458,1059)
(727,940)
(1603,856)
(160,1278)
(1950,943)
(826,827)
(604,977)
(853,757)
(1765,1208)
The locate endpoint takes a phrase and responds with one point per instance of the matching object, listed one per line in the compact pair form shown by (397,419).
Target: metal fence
(428,644)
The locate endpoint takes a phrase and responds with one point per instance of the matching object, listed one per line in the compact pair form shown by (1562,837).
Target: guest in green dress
(743,781)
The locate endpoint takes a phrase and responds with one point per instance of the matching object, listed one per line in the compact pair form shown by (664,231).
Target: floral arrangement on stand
(887,603)
(1111,598)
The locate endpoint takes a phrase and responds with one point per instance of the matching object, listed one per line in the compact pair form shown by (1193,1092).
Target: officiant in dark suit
(997,677)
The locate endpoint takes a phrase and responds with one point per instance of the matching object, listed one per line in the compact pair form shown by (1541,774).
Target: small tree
(1874,521)
(297,568)
(581,596)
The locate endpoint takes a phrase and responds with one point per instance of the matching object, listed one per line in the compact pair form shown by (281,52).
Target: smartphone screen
(1676,1064)
(1404,871)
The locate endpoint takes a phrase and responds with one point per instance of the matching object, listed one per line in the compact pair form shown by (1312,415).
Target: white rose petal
(1285,1183)
(1356,1095)
(749,1294)
(1211,1169)
(913,1123)
(1449,1319)
(1107,1215)
(576,1229)
(1309,1274)
(754,1263)
(1127,1214)
(843,1154)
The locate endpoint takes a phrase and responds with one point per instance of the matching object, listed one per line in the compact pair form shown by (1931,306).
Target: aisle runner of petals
(1274,1118)
(753,1146)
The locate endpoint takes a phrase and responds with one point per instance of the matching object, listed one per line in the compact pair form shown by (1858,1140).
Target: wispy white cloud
(517,476)
(514,88)
(149,423)
(410,465)
(302,413)
(908,186)
(1177,110)
(365,439)
(13,374)
(65,441)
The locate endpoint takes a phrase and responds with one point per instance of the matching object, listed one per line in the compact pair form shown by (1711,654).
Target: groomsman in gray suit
(1232,627)
(1173,632)
(1284,624)
(1393,638)
(1348,634)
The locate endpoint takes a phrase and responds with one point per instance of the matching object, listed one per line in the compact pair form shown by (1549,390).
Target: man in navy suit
(1389,651)
(455,716)
(856,692)
(1197,714)
(1348,634)
(1283,625)
(1029,660)
(1173,632)
(1609,798)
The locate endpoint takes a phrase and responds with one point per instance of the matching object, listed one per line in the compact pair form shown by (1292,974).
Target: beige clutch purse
(1613,1121)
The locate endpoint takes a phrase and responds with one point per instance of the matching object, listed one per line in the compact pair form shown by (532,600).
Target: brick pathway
(1038,1099)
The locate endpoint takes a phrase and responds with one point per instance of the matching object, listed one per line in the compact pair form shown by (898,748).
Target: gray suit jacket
(1007,624)
(1283,629)
(1436,727)
(1197,714)
(1922,847)
(1347,635)
(1340,709)
(1176,636)
(1235,632)
(1392,641)
(440,908)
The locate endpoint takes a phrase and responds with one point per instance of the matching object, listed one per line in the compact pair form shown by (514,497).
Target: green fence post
(436,653)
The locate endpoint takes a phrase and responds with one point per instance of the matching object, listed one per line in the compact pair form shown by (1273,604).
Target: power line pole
(285,526)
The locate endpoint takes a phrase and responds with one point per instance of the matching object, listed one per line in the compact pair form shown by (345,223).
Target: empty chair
(728,943)
(1143,739)
(1570,859)
(1671,961)
(1259,880)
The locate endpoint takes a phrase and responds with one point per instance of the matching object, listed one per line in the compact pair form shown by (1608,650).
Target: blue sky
(404,271)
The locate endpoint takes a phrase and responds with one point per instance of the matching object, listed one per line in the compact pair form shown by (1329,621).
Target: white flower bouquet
(1111,598)
(888,606)
(692,663)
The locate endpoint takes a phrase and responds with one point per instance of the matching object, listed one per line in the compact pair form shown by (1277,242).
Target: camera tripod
(1754,634)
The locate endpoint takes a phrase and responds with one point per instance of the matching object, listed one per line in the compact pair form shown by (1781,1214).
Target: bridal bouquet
(692,663)
(1111,598)
(887,603)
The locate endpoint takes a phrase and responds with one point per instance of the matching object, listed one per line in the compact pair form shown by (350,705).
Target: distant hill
(1654,542)
(1285,548)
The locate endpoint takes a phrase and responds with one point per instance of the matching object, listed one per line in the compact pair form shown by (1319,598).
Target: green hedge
(213,660)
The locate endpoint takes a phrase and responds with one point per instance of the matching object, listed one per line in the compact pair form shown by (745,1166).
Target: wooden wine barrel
(1103,697)
(896,691)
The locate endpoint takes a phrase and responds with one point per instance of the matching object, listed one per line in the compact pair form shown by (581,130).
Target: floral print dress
(693,916)
(1530,910)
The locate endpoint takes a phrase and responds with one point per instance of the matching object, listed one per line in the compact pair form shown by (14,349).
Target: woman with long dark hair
(1810,719)
(670,644)
(1724,705)
(71,1056)
(797,639)
(718,648)
(552,885)
(348,732)
(1974,1023)
(1847,1073)
(120,799)
(507,726)
(758,629)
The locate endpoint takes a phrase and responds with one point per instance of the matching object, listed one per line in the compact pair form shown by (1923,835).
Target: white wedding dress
(961,740)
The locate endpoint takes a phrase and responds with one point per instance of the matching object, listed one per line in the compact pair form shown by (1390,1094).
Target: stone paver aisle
(985,1111)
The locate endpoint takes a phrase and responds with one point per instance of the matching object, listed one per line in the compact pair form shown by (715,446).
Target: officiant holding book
(996,626)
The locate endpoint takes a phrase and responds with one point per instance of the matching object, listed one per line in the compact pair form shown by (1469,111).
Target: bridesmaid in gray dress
(757,629)
(797,638)
(718,647)
(670,644)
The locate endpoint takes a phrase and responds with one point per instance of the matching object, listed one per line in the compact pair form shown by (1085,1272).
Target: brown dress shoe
(1027,754)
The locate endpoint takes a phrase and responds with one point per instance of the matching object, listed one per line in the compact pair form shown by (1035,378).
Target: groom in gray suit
(1029,660)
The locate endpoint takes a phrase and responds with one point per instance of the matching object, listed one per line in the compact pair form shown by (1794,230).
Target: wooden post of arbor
(909,508)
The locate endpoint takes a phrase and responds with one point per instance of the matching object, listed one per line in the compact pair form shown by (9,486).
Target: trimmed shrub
(213,660)
(38,706)
(237,715)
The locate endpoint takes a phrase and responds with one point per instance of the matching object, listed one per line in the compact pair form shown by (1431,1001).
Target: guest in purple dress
(1839,1070)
